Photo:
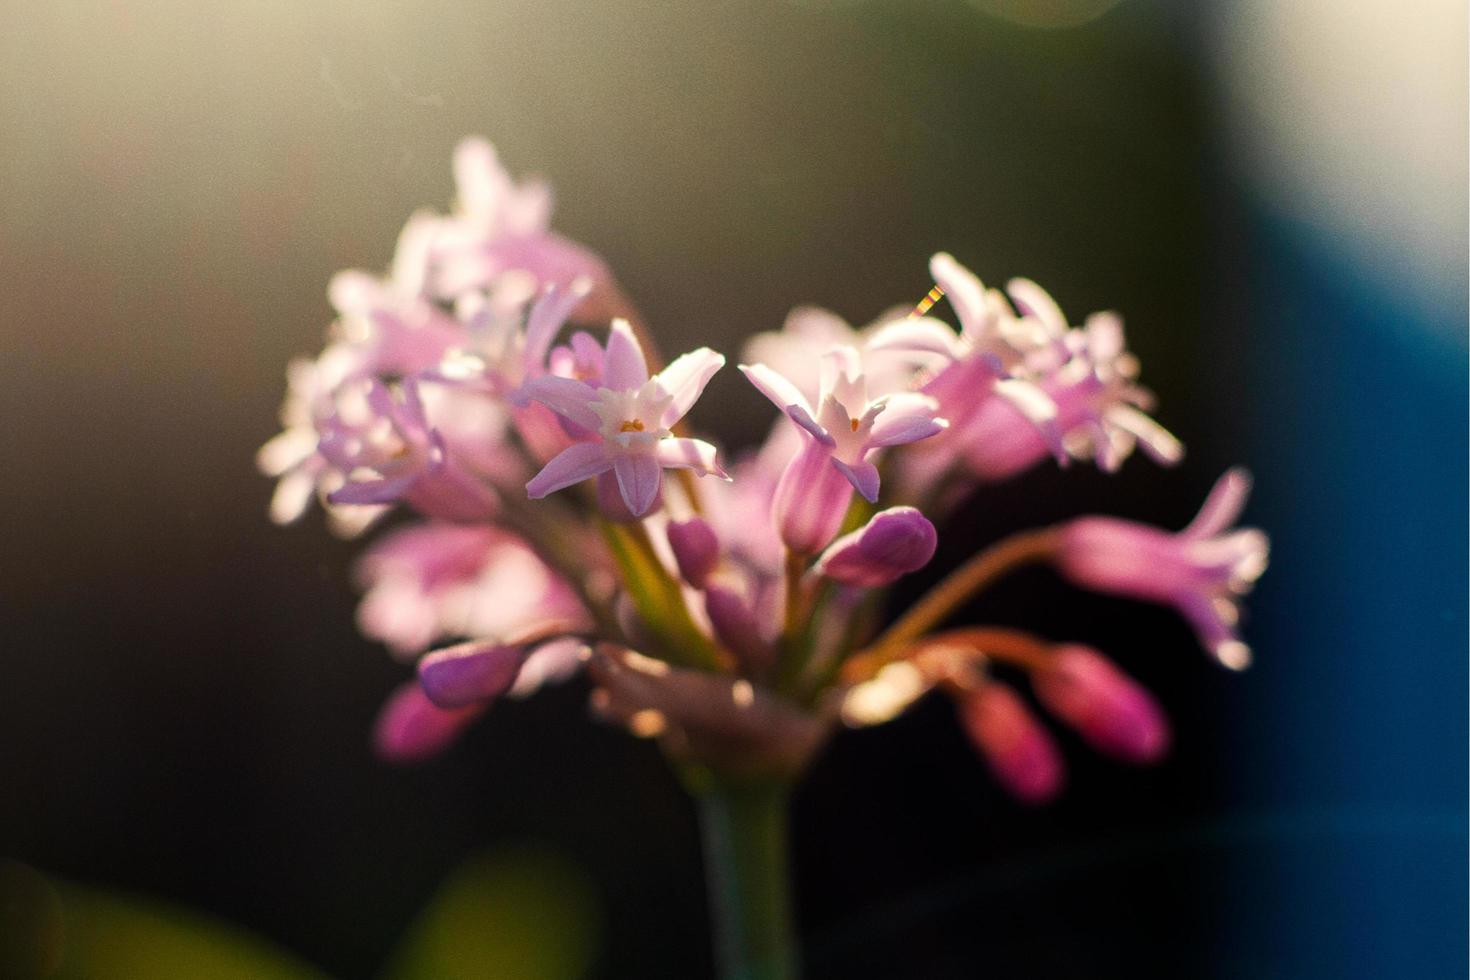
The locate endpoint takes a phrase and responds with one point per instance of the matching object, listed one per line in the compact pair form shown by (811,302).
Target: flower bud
(470,673)
(895,542)
(736,625)
(1106,707)
(411,728)
(696,549)
(1013,743)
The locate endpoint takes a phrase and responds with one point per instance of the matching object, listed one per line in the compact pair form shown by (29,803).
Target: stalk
(744,829)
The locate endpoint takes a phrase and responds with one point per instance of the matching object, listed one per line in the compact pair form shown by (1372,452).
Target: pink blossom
(628,418)
(1053,390)
(1201,571)
(428,582)
(841,434)
(501,227)
(390,451)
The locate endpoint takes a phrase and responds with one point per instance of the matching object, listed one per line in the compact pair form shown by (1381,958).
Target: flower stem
(974,575)
(744,827)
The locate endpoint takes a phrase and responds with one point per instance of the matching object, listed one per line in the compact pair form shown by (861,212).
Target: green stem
(744,829)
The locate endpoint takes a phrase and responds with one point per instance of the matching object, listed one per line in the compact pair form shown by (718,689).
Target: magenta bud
(895,542)
(1013,743)
(811,499)
(696,549)
(736,625)
(470,673)
(1106,707)
(411,728)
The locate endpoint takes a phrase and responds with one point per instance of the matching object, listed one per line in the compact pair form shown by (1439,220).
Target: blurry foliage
(523,914)
(71,932)
(526,914)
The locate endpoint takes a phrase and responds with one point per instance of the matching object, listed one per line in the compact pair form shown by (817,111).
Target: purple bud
(411,728)
(470,673)
(736,625)
(895,542)
(696,549)
(811,499)
(1106,707)
(1017,748)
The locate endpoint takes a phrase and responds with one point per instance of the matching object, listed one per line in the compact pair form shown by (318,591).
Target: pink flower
(841,434)
(1106,707)
(429,582)
(505,344)
(1201,571)
(628,419)
(1053,390)
(501,227)
(392,452)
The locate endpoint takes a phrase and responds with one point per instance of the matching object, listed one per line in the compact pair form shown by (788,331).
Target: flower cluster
(498,391)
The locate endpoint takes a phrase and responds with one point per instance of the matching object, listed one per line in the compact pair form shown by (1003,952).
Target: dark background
(185,704)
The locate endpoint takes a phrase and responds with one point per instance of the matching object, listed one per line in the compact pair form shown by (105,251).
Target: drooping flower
(628,419)
(1200,571)
(841,434)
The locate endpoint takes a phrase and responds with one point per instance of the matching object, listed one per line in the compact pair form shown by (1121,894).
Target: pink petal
(374,491)
(639,477)
(685,380)
(964,291)
(923,334)
(548,315)
(782,393)
(862,475)
(1034,301)
(1224,504)
(689,454)
(579,461)
(906,418)
(624,368)
(566,397)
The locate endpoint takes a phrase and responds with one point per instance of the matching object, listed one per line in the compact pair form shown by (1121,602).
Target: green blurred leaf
(66,931)
(528,914)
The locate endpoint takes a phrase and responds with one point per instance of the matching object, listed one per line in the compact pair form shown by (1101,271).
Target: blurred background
(1273,193)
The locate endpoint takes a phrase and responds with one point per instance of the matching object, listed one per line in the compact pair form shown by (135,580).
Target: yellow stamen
(632,425)
(855,424)
(927,303)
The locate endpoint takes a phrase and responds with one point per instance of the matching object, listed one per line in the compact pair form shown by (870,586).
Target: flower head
(1200,571)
